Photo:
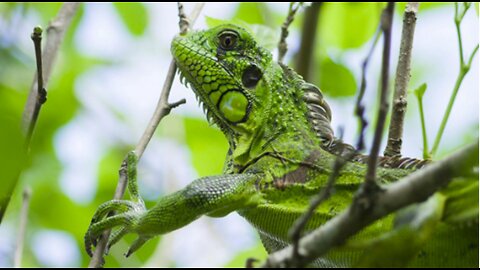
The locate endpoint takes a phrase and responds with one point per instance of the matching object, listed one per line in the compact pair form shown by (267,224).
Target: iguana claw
(127,216)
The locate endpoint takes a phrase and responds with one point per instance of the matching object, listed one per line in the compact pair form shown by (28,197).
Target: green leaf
(420,91)
(11,152)
(476,7)
(208,146)
(462,201)
(134,16)
(265,36)
(253,13)
(48,11)
(336,80)
(348,25)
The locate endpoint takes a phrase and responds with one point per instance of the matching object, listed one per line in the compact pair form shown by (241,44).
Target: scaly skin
(281,149)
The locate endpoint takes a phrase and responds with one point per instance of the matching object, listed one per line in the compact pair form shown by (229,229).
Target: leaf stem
(464,69)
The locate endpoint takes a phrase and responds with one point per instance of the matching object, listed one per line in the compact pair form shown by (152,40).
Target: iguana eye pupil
(228,40)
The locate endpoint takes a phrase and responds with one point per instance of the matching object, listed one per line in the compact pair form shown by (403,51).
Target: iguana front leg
(213,196)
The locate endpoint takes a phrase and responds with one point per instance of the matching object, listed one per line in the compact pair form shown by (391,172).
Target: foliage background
(104,88)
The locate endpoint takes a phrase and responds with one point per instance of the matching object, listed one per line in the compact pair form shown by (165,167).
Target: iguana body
(281,149)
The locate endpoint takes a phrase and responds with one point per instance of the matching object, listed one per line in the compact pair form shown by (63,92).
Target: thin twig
(309,33)
(295,232)
(359,107)
(464,69)
(402,78)
(387,17)
(414,188)
(282,44)
(163,108)
(27,193)
(41,96)
(55,33)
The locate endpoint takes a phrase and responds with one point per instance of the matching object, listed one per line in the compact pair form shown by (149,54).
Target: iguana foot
(127,215)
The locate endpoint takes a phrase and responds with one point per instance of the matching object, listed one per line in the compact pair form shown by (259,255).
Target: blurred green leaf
(212,22)
(208,146)
(253,13)
(335,79)
(461,205)
(348,25)
(134,16)
(476,7)
(11,149)
(108,174)
(47,11)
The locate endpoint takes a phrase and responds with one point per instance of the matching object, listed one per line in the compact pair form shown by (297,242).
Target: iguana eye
(228,40)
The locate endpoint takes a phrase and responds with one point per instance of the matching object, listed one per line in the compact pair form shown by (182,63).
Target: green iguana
(281,152)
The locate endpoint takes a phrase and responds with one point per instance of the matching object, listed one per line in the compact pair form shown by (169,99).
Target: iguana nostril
(251,76)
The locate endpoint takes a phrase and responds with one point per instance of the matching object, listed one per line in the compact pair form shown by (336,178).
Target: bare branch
(163,108)
(402,78)
(282,44)
(309,33)
(359,108)
(41,96)
(414,188)
(387,17)
(27,193)
(37,96)
(55,34)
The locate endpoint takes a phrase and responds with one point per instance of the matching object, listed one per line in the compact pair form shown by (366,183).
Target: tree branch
(163,108)
(402,78)
(309,33)
(282,44)
(37,96)
(55,34)
(41,96)
(359,108)
(416,187)
(387,17)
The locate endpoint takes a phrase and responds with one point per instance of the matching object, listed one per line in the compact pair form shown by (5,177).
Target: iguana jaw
(187,59)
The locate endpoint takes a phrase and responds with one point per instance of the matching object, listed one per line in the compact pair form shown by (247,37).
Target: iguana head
(224,66)
(253,99)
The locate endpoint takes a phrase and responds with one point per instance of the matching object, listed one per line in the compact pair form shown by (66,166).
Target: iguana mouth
(191,61)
